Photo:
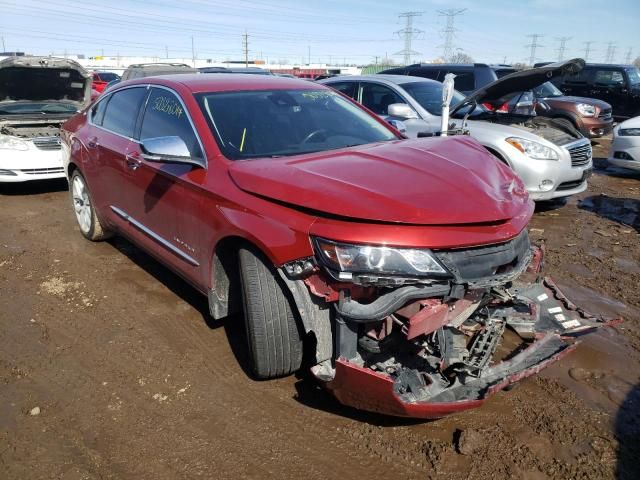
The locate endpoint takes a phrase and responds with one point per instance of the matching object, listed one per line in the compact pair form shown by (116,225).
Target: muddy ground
(110,367)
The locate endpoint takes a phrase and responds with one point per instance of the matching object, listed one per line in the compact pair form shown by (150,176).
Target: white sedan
(625,148)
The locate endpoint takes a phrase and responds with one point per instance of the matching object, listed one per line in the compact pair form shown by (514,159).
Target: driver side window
(377,98)
(165,116)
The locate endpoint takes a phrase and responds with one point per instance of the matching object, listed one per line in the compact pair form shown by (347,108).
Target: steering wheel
(313,134)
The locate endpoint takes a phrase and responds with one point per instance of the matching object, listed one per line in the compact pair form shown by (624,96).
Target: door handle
(92,142)
(132,161)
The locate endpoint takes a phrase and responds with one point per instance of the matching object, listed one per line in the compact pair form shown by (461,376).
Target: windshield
(108,76)
(19,108)
(634,76)
(429,95)
(275,123)
(547,90)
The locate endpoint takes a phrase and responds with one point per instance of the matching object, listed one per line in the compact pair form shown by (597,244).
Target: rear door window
(97,111)
(165,116)
(581,78)
(377,98)
(431,73)
(347,88)
(122,111)
(464,81)
(608,77)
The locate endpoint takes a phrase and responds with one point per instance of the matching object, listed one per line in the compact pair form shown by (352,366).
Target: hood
(521,81)
(435,181)
(47,79)
(575,100)
(631,123)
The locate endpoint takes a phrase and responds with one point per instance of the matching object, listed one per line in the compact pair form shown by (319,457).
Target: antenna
(449,31)
(534,46)
(409,34)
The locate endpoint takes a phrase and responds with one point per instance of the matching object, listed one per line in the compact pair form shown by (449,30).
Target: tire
(273,333)
(85,213)
(566,123)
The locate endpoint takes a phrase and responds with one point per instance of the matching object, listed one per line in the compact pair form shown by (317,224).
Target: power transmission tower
(611,52)
(449,31)
(627,58)
(563,42)
(193,53)
(587,50)
(409,33)
(534,46)
(245,48)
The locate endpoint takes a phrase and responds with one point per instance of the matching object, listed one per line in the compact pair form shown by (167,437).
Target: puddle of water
(604,368)
(622,210)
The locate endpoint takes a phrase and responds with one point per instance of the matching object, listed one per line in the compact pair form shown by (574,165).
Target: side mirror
(168,150)
(398,125)
(401,110)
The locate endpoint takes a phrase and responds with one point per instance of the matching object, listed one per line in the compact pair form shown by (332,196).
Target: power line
(611,52)
(587,50)
(563,42)
(409,34)
(449,31)
(534,46)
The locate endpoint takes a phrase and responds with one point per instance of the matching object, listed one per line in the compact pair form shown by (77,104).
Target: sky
(335,31)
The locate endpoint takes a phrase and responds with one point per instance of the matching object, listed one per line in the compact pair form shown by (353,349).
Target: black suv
(618,85)
(469,77)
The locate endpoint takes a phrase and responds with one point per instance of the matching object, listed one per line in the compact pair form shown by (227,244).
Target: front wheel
(88,222)
(273,333)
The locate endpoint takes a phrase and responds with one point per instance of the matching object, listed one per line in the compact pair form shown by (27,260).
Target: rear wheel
(273,334)
(88,222)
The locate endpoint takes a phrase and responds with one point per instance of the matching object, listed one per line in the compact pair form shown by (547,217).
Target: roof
(396,79)
(199,83)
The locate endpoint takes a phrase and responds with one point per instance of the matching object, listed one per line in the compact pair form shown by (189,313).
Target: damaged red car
(400,263)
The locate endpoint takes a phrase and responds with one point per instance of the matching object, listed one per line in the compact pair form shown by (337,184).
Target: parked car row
(552,160)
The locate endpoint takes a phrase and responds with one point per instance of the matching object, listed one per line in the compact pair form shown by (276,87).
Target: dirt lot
(111,368)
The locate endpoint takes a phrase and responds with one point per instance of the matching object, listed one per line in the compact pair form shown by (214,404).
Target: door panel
(163,198)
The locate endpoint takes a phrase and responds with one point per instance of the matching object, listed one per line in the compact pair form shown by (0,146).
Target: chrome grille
(605,114)
(47,143)
(42,171)
(580,154)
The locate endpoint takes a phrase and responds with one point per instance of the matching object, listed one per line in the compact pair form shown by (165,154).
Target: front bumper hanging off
(429,382)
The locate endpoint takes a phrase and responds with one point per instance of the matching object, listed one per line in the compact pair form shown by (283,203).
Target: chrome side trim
(172,248)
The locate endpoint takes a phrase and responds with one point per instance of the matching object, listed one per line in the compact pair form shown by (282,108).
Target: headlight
(12,143)
(586,110)
(629,132)
(533,149)
(377,259)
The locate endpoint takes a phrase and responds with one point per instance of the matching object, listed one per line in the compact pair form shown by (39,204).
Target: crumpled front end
(428,348)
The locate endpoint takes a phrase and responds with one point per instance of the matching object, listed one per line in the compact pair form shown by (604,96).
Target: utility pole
(534,46)
(245,47)
(376,57)
(449,31)
(587,50)
(563,42)
(309,54)
(611,52)
(627,58)
(166,51)
(193,52)
(409,33)
(4,49)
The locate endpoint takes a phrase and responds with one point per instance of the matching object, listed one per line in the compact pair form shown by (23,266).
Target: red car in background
(101,79)
(399,263)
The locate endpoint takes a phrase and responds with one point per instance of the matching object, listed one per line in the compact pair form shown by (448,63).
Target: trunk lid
(438,181)
(46,80)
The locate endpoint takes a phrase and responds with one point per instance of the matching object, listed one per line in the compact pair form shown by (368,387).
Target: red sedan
(400,263)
